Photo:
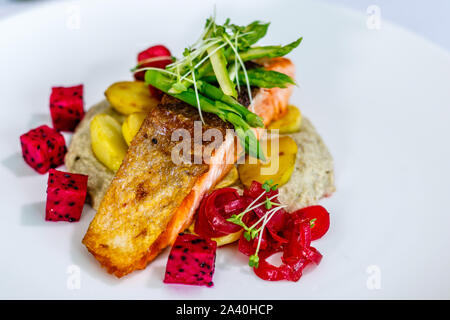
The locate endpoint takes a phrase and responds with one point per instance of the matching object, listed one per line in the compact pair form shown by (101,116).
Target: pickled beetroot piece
(214,211)
(318,217)
(66,107)
(43,148)
(191,261)
(66,193)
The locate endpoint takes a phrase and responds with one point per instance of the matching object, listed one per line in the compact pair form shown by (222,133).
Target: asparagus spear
(219,64)
(215,93)
(246,136)
(222,110)
(267,51)
(163,83)
(260,78)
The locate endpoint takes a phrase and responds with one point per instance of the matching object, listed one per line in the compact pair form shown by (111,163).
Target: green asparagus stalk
(267,51)
(216,94)
(248,139)
(222,110)
(260,78)
(163,83)
(219,64)
(205,68)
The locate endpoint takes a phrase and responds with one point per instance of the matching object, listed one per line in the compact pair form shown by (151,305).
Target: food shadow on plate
(230,258)
(155,275)
(33,214)
(39,119)
(80,255)
(17,165)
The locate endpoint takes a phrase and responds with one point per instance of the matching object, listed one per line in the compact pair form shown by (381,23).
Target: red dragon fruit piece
(66,107)
(66,193)
(43,148)
(191,261)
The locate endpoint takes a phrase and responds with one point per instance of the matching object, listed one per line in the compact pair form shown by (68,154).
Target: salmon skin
(151,198)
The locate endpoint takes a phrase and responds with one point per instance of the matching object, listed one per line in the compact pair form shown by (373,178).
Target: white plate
(380,98)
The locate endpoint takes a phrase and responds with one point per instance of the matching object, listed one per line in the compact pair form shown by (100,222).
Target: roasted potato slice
(129,97)
(131,125)
(290,123)
(278,167)
(108,145)
(230,179)
(221,241)
(229,238)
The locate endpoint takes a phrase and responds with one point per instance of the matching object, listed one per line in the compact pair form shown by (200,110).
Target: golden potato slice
(229,238)
(221,241)
(107,142)
(290,123)
(129,97)
(278,167)
(230,179)
(131,125)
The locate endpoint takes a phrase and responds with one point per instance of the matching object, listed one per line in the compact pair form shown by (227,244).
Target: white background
(380,99)
(427,18)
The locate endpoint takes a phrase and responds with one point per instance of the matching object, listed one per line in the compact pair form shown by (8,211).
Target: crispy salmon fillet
(151,199)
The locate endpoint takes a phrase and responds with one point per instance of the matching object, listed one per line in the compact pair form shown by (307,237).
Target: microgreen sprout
(237,219)
(236,65)
(238,57)
(254,231)
(253,261)
(135,70)
(268,204)
(268,185)
(197,97)
(270,214)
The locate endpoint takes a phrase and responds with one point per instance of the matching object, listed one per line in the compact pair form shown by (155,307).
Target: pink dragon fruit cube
(66,107)
(43,148)
(66,194)
(191,261)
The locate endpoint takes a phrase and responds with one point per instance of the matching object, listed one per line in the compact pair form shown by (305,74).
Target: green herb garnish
(253,261)
(252,232)
(218,57)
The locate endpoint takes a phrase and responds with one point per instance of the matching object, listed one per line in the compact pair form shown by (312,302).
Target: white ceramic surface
(380,98)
